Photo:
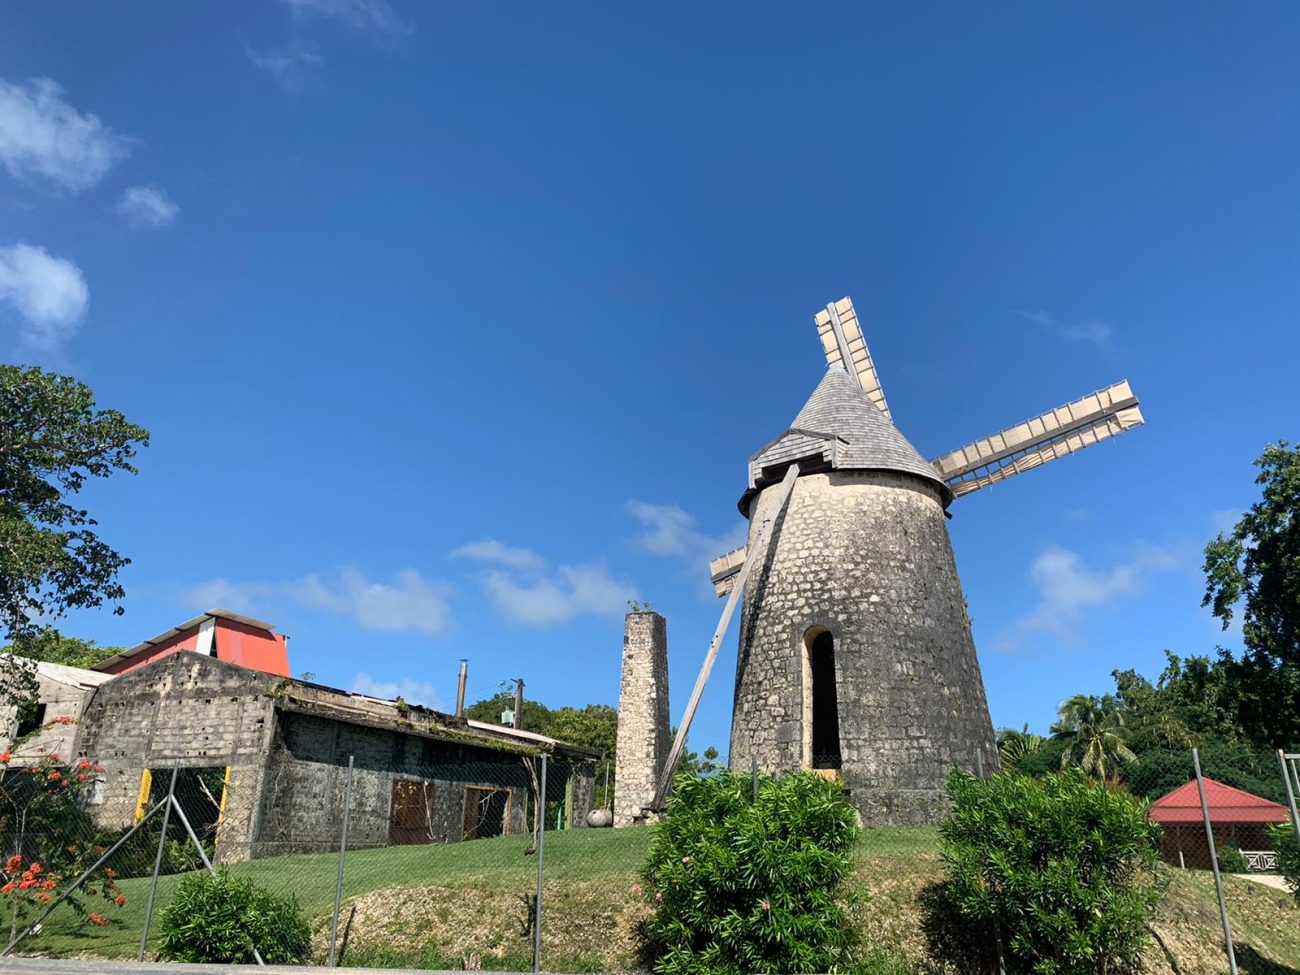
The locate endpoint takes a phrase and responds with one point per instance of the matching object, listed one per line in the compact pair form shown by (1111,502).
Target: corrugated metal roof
(1227,805)
(73,676)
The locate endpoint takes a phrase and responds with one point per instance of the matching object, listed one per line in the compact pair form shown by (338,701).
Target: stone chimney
(643,728)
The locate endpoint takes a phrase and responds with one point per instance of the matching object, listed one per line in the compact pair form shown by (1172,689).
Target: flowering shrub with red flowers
(49,838)
(742,883)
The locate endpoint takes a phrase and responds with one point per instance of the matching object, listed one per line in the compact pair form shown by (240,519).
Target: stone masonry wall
(643,719)
(302,803)
(867,556)
(188,710)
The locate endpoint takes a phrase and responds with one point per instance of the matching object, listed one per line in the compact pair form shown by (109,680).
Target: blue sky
(455,325)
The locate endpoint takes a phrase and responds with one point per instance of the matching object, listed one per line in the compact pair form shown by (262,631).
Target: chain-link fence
(439,865)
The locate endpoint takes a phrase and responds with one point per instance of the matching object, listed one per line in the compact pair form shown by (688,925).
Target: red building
(217,633)
(1240,819)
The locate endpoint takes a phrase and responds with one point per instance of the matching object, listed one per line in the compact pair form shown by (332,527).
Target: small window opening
(31,718)
(825,717)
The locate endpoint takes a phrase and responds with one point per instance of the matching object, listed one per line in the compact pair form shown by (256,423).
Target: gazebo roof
(1227,805)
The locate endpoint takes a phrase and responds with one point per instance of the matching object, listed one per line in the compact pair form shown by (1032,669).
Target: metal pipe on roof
(460,688)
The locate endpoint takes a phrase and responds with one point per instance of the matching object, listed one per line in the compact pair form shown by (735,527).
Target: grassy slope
(434,905)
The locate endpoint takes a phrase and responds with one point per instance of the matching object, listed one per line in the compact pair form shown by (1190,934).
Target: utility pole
(519,703)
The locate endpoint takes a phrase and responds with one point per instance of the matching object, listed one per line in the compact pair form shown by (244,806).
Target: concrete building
(856,656)
(264,758)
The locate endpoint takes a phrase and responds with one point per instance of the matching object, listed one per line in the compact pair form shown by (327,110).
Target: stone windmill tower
(856,656)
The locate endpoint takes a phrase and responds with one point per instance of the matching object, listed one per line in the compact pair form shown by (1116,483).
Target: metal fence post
(541,835)
(1284,760)
(157,865)
(343,849)
(1214,863)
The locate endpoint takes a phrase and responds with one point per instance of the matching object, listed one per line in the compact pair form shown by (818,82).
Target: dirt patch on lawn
(895,902)
(585,925)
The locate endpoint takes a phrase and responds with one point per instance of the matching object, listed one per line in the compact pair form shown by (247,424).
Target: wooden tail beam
(759,545)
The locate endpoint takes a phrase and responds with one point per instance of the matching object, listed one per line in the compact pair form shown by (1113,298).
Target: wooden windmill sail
(836,431)
(1048,436)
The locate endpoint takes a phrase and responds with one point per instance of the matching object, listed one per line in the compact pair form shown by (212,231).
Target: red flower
(119,900)
(83,764)
(8,888)
(54,756)
(13,864)
(110,872)
(49,884)
(767,905)
(55,776)
(97,919)
(6,757)
(43,898)
(36,869)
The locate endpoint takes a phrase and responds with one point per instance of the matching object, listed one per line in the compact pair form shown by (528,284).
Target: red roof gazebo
(1239,818)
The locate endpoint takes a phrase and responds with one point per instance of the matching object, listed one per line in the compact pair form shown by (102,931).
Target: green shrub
(220,919)
(1288,854)
(1064,867)
(1230,858)
(747,885)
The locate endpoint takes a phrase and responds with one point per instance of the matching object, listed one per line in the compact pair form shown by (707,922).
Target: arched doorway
(821,701)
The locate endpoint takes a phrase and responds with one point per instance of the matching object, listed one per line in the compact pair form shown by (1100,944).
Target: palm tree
(1094,729)
(1015,746)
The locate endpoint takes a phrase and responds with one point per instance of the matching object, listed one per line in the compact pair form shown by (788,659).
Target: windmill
(856,657)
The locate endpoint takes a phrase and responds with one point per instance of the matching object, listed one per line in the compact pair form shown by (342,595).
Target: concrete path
(1267,879)
(56,966)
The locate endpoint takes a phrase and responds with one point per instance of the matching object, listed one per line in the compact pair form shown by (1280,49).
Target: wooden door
(410,821)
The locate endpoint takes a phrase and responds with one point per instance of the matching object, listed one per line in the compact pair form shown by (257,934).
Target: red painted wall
(185,640)
(237,643)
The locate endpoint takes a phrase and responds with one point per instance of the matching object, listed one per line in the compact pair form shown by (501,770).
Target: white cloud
(44,139)
(293,68)
(410,603)
(409,690)
(669,531)
(545,600)
(147,206)
(1093,332)
(524,590)
(370,16)
(490,550)
(1068,590)
(48,293)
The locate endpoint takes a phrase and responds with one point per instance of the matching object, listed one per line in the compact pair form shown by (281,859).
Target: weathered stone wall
(61,700)
(186,710)
(867,556)
(302,803)
(643,719)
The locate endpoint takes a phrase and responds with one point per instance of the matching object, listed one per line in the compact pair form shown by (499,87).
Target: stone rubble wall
(867,556)
(643,717)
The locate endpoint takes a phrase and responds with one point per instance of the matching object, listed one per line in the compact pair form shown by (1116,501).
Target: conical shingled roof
(869,440)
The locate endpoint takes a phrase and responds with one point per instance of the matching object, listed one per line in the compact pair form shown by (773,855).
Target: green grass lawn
(496,866)
(590,911)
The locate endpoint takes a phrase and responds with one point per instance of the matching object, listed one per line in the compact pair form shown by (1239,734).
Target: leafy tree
(742,884)
(536,714)
(595,726)
(51,646)
(1288,854)
(1093,729)
(52,439)
(1063,867)
(1016,746)
(1257,567)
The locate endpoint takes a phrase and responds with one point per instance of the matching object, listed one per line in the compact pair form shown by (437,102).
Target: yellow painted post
(142,801)
(221,806)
